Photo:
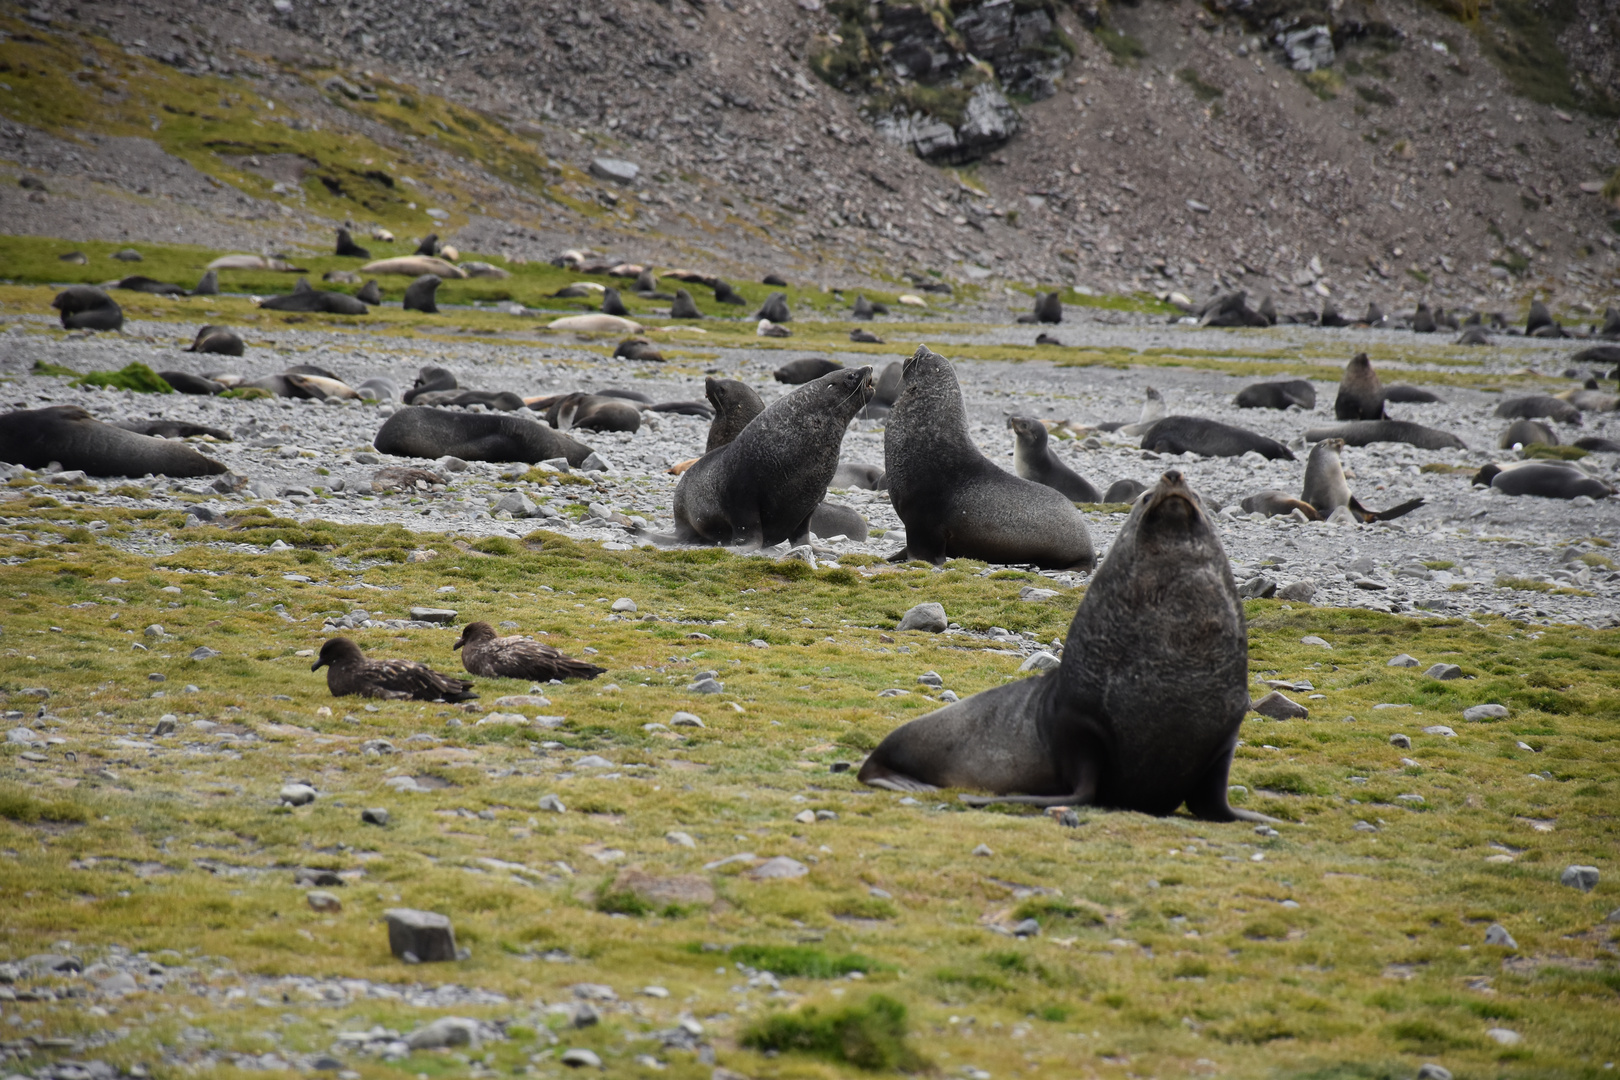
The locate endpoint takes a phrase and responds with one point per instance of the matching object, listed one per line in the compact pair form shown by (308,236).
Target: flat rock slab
(1485,712)
(1278,707)
(433,614)
(779,869)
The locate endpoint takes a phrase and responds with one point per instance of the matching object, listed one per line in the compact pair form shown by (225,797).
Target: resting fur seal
(185,382)
(304,298)
(429,379)
(775,309)
(172,429)
(433,433)
(1034,459)
(141,284)
(1361,395)
(725,294)
(421,294)
(638,349)
(347,248)
(1598,445)
(1277,395)
(85,307)
(1405,394)
(1363,432)
(215,339)
(1539,405)
(835,519)
(593,413)
(503,400)
(1180,434)
(763,486)
(1274,503)
(378,388)
(1123,491)
(1144,710)
(957,503)
(684,307)
(414,266)
(864,337)
(806,369)
(1048,309)
(349,672)
(1548,479)
(1527,433)
(1326,488)
(70,435)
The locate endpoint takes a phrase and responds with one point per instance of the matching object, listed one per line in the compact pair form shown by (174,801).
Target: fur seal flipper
(70,435)
(349,672)
(1326,488)
(484,653)
(1143,712)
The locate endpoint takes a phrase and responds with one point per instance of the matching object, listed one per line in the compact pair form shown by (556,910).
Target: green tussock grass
(1555,453)
(870,1035)
(134,376)
(801,961)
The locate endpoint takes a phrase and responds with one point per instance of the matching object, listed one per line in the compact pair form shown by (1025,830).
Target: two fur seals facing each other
(70,435)
(1211,438)
(184,382)
(85,307)
(349,672)
(1548,479)
(1277,395)
(1537,406)
(1361,395)
(806,369)
(215,339)
(485,653)
(1144,710)
(172,429)
(303,298)
(957,503)
(1527,433)
(1048,309)
(763,486)
(1327,490)
(433,433)
(421,294)
(775,309)
(430,378)
(1034,459)
(347,248)
(1363,432)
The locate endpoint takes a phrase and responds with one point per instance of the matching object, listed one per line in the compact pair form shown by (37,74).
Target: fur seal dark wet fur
(216,339)
(1326,488)
(307,299)
(1034,459)
(421,294)
(1144,710)
(613,303)
(348,249)
(429,245)
(775,309)
(142,284)
(184,382)
(433,433)
(1361,395)
(85,307)
(1406,394)
(1123,491)
(504,400)
(1548,479)
(71,436)
(483,652)
(763,486)
(1539,405)
(1363,432)
(1527,433)
(1277,395)
(957,503)
(349,672)
(1180,434)
(806,369)
(430,378)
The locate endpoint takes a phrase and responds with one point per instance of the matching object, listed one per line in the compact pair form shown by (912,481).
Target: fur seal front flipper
(1144,710)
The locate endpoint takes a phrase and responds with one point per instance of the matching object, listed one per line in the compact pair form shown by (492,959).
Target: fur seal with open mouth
(1144,710)
(85,307)
(1034,459)
(500,436)
(957,503)
(68,434)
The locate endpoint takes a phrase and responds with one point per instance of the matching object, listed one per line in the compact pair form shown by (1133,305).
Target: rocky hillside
(1352,150)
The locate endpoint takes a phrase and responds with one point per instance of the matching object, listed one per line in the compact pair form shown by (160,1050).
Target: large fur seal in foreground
(1144,710)
(432,433)
(957,503)
(68,434)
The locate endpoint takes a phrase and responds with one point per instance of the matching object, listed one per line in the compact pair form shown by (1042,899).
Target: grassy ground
(1168,946)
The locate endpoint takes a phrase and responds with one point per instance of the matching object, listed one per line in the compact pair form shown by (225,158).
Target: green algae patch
(134,376)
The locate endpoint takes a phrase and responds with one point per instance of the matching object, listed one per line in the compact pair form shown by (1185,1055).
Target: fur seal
(1123,491)
(1277,395)
(775,309)
(1034,459)
(613,304)
(216,339)
(578,290)
(70,435)
(369,293)
(1330,316)
(767,328)
(433,433)
(1363,432)
(208,285)
(378,388)
(349,672)
(595,324)
(1540,405)
(172,429)
(638,349)
(1598,354)
(1422,323)
(806,369)
(502,400)
(485,653)
(835,519)
(864,337)
(429,379)
(1048,309)
(863,309)
(414,266)
(1152,411)
(1180,434)
(1327,490)
(593,413)
(141,284)
(1406,394)
(855,474)
(319,387)
(347,248)
(304,298)
(735,404)
(1267,311)
(1048,339)
(774,279)
(1231,310)
(680,408)
(684,307)
(1361,395)
(1144,710)
(1548,479)
(1538,318)
(957,503)
(184,382)
(1526,433)
(888,389)
(1274,503)
(1598,445)
(725,294)
(763,486)
(85,307)
(1611,322)
(421,293)
(1474,335)
(429,246)
(1589,398)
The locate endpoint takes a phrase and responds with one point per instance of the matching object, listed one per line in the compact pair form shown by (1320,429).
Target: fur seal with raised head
(1326,488)
(775,309)
(1048,309)
(1361,395)
(1539,405)
(735,404)
(348,249)
(68,434)
(1548,479)
(805,369)
(430,378)
(1144,710)
(1538,318)
(208,285)
(613,304)
(1363,432)
(1181,434)
(421,294)
(349,672)
(888,389)
(216,339)
(369,293)
(85,307)
(429,247)
(483,652)
(501,436)
(725,294)
(863,309)
(1527,433)
(764,486)
(957,503)
(1277,395)
(1422,323)
(684,307)
(1034,459)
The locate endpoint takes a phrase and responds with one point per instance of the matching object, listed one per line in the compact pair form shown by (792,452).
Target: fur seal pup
(369,293)
(429,245)
(502,400)
(764,486)
(1180,434)
(735,404)
(378,388)
(184,382)
(684,307)
(864,337)
(1406,394)
(1326,488)
(1361,395)
(613,304)
(1277,395)
(1274,503)
(414,266)
(1548,479)
(725,294)
(1527,433)
(775,309)
(485,653)
(957,503)
(806,369)
(347,248)
(85,307)
(430,378)
(70,435)
(349,672)
(1123,491)
(855,474)
(421,293)
(172,429)
(1539,405)
(215,339)
(593,413)
(1363,432)
(1048,309)
(307,299)
(433,433)
(1034,459)
(1144,710)
(835,519)
(1474,335)
(208,285)
(638,349)
(595,324)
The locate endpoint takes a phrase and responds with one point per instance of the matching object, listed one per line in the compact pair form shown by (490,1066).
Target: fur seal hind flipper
(1209,799)
(1391,514)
